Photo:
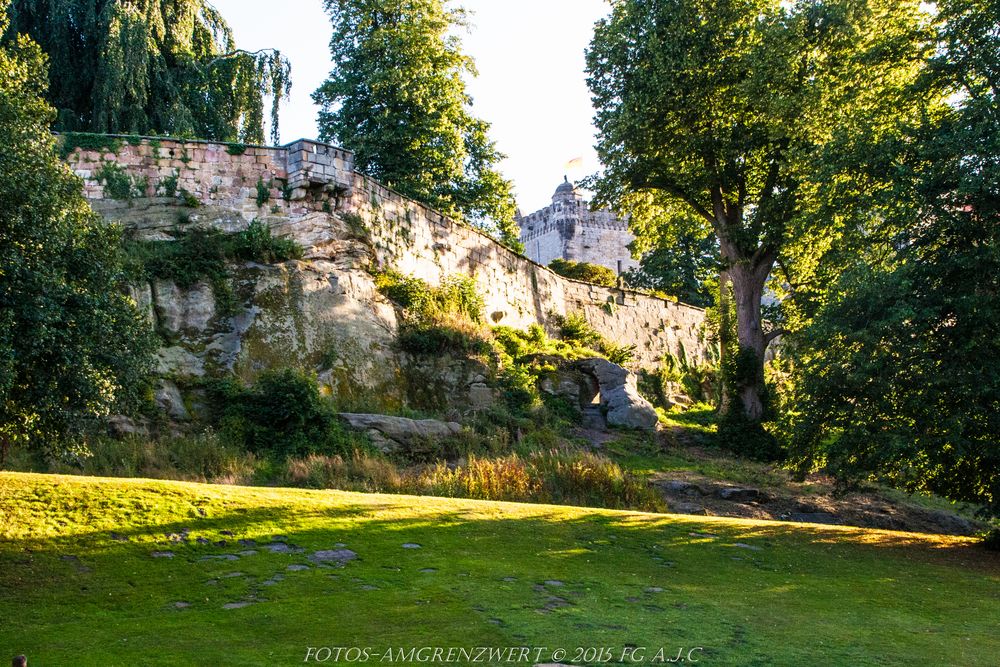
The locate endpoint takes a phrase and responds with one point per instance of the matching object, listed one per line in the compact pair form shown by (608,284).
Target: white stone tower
(568,229)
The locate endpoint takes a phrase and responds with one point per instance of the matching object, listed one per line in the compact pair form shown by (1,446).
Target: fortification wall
(297,185)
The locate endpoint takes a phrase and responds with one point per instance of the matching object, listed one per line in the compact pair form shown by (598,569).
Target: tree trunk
(747,361)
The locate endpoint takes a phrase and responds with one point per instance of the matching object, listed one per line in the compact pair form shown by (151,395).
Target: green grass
(78,584)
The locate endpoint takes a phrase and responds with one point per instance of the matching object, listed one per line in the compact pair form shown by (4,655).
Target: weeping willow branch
(164,67)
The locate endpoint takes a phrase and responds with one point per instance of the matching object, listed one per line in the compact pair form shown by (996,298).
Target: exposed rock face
(169,398)
(391,434)
(180,310)
(620,397)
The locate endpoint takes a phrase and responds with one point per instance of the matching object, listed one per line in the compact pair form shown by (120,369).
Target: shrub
(169,185)
(118,184)
(590,273)
(437,320)
(263,192)
(257,244)
(618,354)
(441,338)
(282,414)
(992,540)
(575,327)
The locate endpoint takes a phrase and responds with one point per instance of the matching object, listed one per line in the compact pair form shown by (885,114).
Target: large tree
(396,97)
(898,376)
(152,66)
(726,108)
(73,347)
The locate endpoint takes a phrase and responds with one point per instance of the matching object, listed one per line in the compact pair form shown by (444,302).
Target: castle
(569,229)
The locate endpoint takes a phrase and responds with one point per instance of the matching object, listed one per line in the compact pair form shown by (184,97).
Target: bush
(575,327)
(992,540)
(442,338)
(747,438)
(437,320)
(257,244)
(590,273)
(282,414)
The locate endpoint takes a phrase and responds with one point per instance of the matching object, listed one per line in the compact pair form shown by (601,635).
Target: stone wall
(309,191)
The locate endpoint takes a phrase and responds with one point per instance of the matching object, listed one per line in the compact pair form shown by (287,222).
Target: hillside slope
(116,572)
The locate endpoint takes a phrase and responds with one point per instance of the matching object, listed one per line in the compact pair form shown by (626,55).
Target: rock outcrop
(399,434)
(619,395)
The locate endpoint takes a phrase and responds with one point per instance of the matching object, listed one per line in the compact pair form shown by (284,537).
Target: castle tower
(569,229)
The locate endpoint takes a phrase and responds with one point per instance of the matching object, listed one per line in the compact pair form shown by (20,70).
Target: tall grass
(565,478)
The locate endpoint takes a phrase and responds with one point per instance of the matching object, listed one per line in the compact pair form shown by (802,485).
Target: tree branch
(771,335)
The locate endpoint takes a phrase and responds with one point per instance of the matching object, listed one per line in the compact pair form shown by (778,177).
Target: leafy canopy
(152,67)
(73,348)
(897,377)
(396,97)
(728,110)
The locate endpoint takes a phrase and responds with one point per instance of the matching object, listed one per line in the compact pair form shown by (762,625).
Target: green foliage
(456,295)
(396,97)
(203,254)
(894,377)
(70,142)
(257,244)
(73,347)
(190,200)
(168,67)
(236,149)
(618,354)
(767,95)
(701,382)
(574,327)
(590,273)
(281,415)
(118,183)
(263,192)
(682,263)
(356,226)
(436,320)
(169,185)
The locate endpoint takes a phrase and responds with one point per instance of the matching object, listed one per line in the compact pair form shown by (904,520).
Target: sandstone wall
(308,190)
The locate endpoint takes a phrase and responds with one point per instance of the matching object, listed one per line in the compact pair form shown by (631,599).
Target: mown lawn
(79,584)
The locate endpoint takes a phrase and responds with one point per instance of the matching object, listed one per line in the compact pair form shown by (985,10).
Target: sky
(531,85)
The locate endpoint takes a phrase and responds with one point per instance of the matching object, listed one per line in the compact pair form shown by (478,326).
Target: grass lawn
(86,579)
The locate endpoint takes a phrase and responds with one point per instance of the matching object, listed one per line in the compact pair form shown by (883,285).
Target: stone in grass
(412,545)
(297,568)
(738,495)
(233,575)
(553,582)
(284,548)
(236,605)
(182,605)
(654,589)
(429,570)
(369,587)
(248,552)
(742,545)
(273,581)
(162,554)
(333,556)
(220,557)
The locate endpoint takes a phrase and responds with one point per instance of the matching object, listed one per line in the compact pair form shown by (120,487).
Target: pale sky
(531,85)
